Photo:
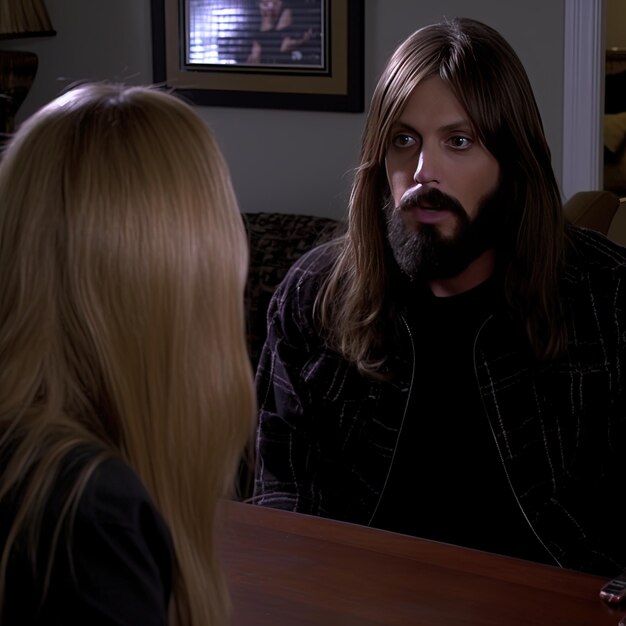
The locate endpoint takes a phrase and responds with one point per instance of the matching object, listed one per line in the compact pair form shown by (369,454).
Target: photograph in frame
(289,54)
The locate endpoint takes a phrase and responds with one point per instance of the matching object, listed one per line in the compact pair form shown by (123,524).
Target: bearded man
(453,366)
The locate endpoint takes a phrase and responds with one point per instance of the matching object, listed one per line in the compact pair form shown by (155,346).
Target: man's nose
(427,170)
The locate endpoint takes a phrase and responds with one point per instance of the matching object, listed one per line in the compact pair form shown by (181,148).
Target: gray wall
(292,161)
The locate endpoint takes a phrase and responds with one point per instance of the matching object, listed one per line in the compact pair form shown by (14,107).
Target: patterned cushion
(276,240)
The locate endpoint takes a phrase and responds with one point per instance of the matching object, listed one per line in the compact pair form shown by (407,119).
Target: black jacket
(326,434)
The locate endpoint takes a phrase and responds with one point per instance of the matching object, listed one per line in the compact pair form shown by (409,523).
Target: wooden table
(288,569)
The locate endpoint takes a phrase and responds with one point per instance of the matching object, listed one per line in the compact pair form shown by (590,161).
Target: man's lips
(429,206)
(427,214)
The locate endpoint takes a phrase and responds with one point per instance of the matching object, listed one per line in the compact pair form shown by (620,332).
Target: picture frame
(205,50)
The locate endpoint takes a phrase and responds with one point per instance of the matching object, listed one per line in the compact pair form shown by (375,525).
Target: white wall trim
(583,95)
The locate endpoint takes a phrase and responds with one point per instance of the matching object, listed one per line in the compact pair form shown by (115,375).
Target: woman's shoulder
(114,493)
(115,509)
(121,543)
(113,556)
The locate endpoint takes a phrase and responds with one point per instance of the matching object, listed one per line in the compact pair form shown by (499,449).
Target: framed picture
(282,54)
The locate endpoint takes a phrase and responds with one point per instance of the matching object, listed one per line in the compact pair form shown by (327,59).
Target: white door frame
(583,95)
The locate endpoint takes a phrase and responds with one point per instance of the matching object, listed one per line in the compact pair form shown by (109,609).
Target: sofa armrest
(592,209)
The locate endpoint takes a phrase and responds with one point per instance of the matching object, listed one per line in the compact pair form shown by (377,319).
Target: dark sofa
(276,241)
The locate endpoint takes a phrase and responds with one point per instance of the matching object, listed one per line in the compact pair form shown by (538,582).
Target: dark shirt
(116,569)
(327,434)
(447,481)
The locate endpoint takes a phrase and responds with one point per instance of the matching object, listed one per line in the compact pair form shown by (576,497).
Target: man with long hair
(452,367)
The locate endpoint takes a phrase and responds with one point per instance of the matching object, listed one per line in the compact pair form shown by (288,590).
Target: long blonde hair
(489,80)
(123,259)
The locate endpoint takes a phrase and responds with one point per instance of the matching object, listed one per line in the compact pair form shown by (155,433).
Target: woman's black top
(112,566)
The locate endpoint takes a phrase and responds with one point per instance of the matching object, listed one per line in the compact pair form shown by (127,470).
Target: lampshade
(18,18)
(24,18)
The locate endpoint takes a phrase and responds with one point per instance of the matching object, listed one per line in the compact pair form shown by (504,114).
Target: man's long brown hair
(488,79)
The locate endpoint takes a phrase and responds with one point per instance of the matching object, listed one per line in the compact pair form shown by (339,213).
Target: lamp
(19,19)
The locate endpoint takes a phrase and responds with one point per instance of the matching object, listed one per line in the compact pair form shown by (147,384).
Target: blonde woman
(126,393)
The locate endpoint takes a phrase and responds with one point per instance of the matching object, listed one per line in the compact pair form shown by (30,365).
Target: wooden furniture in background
(19,19)
(614,122)
(615,60)
(17,73)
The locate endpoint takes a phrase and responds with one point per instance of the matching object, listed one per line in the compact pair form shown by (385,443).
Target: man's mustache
(431,199)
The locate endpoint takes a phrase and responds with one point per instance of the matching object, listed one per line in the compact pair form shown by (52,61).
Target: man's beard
(424,253)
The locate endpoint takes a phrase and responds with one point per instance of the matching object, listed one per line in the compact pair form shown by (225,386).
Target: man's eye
(402,141)
(460,142)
